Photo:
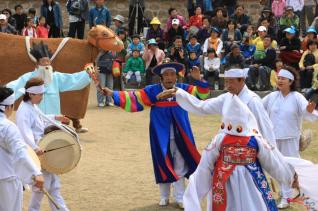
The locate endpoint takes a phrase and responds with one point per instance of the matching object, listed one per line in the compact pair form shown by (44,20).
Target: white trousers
(181,169)
(52,185)
(137,74)
(290,148)
(11,196)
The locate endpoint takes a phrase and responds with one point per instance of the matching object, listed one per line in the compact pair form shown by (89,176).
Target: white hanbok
(287,114)
(215,106)
(308,181)
(241,191)
(31,125)
(15,165)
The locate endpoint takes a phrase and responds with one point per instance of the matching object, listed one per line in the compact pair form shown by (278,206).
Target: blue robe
(163,114)
(62,82)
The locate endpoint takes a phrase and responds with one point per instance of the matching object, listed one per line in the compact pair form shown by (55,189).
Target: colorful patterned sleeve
(131,101)
(200,89)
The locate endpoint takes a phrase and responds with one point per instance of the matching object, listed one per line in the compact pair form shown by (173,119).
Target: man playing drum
(55,82)
(173,149)
(31,123)
(14,160)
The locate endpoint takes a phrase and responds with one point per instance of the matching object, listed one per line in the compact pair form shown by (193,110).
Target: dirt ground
(115,172)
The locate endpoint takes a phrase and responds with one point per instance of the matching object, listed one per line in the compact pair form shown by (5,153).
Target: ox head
(104,38)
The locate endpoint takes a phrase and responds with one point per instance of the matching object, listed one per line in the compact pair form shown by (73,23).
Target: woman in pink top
(42,30)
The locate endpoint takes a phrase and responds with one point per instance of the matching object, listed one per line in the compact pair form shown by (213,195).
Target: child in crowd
(32,15)
(136,43)
(104,62)
(212,65)
(194,60)
(42,29)
(247,49)
(273,78)
(29,29)
(134,66)
(194,45)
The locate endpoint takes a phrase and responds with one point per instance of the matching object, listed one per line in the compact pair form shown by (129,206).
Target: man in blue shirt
(99,15)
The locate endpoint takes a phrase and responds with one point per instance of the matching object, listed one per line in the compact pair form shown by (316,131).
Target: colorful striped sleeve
(131,101)
(200,89)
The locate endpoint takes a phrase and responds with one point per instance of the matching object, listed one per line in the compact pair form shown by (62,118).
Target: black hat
(40,50)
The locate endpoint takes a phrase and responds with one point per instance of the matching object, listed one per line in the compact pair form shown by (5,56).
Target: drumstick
(51,198)
(49,150)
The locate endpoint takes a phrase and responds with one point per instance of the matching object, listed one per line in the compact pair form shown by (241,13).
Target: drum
(62,150)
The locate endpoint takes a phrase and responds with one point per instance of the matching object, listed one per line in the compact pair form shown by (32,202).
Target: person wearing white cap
(235,84)
(32,123)
(258,42)
(173,149)
(15,163)
(288,106)
(231,169)
(173,14)
(174,31)
(5,27)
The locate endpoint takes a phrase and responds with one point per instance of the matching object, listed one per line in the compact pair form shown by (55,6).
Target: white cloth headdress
(237,119)
(33,90)
(236,73)
(8,101)
(286,74)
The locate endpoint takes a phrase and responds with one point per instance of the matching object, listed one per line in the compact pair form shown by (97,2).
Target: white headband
(286,74)
(167,68)
(33,90)
(8,101)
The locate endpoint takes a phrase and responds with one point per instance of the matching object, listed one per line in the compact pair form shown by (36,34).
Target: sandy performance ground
(115,171)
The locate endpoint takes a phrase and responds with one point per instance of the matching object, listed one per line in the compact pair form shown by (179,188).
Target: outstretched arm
(130,101)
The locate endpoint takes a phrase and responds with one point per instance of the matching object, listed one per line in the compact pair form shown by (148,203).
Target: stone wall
(157,8)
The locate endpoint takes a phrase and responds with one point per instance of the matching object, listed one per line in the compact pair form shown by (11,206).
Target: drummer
(14,160)
(31,124)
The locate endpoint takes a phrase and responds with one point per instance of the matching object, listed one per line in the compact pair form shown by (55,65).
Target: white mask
(45,72)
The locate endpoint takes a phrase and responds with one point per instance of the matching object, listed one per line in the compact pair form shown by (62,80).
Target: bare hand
(107,91)
(195,73)
(39,151)
(282,48)
(63,119)
(90,69)
(311,106)
(39,181)
(167,94)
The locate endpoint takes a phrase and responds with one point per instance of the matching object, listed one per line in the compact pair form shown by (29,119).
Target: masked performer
(231,167)
(55,82)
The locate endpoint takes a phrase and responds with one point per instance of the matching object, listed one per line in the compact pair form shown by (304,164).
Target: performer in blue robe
(55,82)
(173,149)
